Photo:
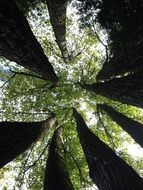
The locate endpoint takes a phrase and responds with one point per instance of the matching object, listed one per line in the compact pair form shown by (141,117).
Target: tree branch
(35,162)
(27,74)
(106,131)
(8,80)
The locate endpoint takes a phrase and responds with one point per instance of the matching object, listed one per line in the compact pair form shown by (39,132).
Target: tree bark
(132,127)
(57,11)
(18,44)
(107,170)
(128,89)
(17,137)
(56,175)
(127,58)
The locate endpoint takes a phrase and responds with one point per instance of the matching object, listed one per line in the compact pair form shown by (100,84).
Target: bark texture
(107,170)
(57,11)
(56,175)
(17,137)
(127,58)
(132,127)
(128,89)
(18,44)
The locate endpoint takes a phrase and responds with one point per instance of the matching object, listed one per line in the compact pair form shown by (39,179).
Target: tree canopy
(65,61)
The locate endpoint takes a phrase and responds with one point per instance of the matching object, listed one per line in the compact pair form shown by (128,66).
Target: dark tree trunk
(132,127)
(56,175)
(17,137)
(57,11)
(128,89)
(107,170)
(18,44)
(128,58)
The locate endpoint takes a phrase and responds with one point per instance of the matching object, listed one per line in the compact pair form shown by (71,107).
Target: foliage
(27,98)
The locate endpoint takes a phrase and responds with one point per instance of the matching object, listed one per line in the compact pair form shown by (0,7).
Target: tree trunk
(128,58)
(132,127)
(128,89)
(107,170)
(18,44)
(56,175)
(17,137)
(57,11)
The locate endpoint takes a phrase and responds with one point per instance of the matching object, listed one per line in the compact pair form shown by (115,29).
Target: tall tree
(107,170)
(56,175)
(18,44)
(127,59)
(132,127)
(17,137)
(123,22)
(127,89)
(120,19)
(57,11)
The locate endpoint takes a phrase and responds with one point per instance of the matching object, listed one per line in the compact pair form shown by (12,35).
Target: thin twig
(81,51)
(106,131)
(83,78)
(34,163)
(23,166)
(8,80)
(105,46)
(77,165)
(27,74)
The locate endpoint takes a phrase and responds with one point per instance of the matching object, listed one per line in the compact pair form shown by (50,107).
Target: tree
(126,89)
(57,11)
(18,43)
(17,137)
(56,175)
(106,169)
(122,20)
(134,128)
(128,59)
